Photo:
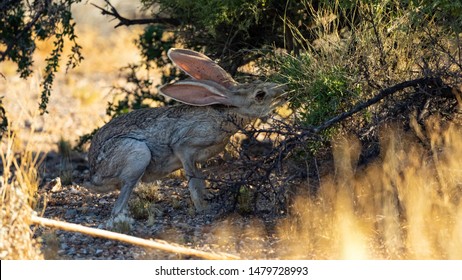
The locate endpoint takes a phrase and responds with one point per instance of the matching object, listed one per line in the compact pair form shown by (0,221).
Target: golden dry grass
(405,205)
(19,182)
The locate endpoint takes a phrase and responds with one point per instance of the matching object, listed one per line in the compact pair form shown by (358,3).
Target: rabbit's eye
(260,95)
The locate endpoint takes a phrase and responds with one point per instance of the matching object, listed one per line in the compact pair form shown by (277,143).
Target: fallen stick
(153,244)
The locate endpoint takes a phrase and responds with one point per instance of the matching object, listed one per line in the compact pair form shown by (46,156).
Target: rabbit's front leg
(196,183)
(198,193)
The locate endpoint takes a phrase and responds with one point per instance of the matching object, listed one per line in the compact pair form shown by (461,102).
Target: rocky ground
(161,210)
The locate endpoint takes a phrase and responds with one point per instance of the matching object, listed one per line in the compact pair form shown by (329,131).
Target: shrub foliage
(22,24)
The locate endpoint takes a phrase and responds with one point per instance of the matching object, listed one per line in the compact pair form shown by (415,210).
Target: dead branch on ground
(153,244)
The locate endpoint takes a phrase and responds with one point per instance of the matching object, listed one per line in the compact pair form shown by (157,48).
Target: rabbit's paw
(200,204)
(120,223)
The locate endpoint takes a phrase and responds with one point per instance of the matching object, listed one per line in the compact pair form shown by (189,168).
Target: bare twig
(380,45)
(112,11)
(153,244)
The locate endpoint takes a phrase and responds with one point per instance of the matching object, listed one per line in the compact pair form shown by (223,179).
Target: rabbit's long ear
(197,93)
(200,67)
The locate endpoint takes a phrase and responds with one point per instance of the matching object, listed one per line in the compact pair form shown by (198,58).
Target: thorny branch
(307,133)
(112,11)
(436,82)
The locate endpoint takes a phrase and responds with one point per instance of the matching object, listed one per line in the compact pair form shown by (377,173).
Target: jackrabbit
(148,144)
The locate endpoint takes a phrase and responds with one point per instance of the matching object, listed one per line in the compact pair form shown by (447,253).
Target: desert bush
(356,53)
(334,53)
(363,47)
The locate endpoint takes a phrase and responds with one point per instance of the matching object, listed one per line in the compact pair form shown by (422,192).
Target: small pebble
(70,213)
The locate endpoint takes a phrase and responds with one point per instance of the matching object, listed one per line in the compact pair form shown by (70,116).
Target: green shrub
(359,48)
(318,94)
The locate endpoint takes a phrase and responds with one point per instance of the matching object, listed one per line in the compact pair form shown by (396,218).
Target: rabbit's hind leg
(134,157)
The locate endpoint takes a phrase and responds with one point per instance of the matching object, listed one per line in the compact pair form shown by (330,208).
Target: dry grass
(406,205)
(19,183)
